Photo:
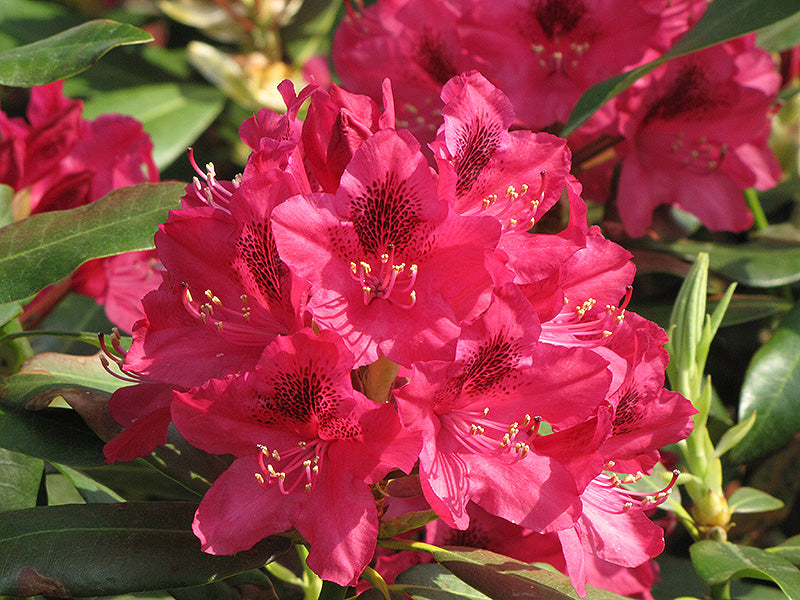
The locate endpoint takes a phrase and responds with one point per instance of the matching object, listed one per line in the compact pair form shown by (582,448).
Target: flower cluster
(342,312)
(692,134)
(57,160)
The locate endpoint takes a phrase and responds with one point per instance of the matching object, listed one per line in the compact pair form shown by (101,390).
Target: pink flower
(544,54)
(307,446)
(696,137)
(480,417)
(515,176)
(56,160)
(337,123)
(420,51)
(380,254)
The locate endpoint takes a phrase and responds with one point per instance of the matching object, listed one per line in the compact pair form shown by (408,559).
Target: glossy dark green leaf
(90,490)
(751,500)
(719,562)
(771,389)
(434,582)
(66,53)
(20,476)
(54,434)
(788,549)
(722,21)
(100,549)
(173,114)
(252,585)
(504,578)
(45,248)
(191,467)
(759,263)
(780,36)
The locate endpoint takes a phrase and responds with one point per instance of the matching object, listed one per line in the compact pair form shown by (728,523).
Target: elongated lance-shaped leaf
(772,389)
(504,578)
(45,248)
(722,21)
(66,53)
(80,550)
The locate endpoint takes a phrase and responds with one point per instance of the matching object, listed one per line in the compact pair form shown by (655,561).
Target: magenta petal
(340,522)
(238,511)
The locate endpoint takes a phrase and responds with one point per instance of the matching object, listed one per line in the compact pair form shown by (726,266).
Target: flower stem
(376,581)
(754,205)
(399,544)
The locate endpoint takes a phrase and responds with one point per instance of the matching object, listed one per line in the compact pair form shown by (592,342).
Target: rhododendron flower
(513,176)
(56,160)
(545,53)
(307,446)
(480,417)
(696,137)
(296,293)
(380,254)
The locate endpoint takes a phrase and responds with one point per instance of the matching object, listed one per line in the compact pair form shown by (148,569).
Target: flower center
(480,434)
(299,465)
(388,280)
(609,485)
(571,328)
(234,324)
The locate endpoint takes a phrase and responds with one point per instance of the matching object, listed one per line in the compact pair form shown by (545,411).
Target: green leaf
(788,549)
(89,489)
(719,562)
(20,476)
(406,522)
(8,311)
(772,389)
(54,434)
(48,375)
(309,33)
(101,549)
(44,248)
(504,578)
(6,206)
(434,582)
(191,467)
(66,53)
(751,500)
(173,114)
(780,36)
(722,21)
(761,263)
(734,435)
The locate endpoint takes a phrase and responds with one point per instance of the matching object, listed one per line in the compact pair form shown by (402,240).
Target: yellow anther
(189,295)
(485,411)
(275,455)
(259,477)
(523,188)
(243,298)
(384,258)
(354,268)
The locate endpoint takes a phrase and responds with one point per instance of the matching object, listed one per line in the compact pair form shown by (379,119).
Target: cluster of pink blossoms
(342,312)
(57,160)
(692,134)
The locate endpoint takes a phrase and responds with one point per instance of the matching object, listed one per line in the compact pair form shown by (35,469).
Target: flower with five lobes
(307,446)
